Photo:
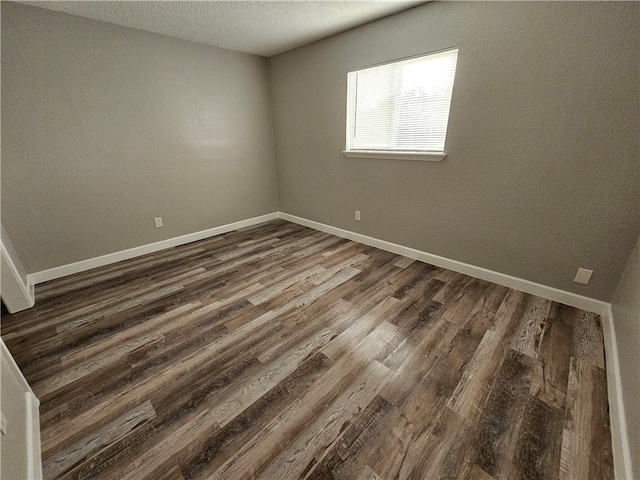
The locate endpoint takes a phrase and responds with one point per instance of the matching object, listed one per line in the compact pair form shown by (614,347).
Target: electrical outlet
(358,215)
(158,221)
(583,276)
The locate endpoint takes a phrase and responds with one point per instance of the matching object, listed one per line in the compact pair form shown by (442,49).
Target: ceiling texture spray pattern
(263,28)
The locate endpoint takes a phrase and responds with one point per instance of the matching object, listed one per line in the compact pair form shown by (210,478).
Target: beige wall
(106,127)
(626,315)
(542,169)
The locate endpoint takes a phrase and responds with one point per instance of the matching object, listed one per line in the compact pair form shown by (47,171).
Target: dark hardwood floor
(277,351)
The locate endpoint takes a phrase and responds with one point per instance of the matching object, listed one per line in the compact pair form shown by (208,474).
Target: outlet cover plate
(583,276)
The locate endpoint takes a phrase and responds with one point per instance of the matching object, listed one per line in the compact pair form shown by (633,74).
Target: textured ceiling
(260,27)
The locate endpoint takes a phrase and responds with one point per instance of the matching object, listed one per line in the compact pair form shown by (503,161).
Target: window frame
(393,154)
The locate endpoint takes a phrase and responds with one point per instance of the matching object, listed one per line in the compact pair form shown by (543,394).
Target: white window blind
(401,106)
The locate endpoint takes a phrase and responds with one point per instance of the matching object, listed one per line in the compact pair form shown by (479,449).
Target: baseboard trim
(34,458)
(551,293)
(526,286)
(621,451)
(83,265)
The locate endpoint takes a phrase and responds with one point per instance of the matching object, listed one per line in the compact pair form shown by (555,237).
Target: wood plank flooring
(280,352)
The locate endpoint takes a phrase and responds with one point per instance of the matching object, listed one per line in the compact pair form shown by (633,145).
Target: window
(401,109)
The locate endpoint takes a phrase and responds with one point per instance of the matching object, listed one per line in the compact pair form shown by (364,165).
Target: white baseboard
(526,286)
(81,266)
(554,294)
(16,294)
(34,457)
(621,450)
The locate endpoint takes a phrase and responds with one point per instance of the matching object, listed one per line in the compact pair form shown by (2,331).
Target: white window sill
(399,155)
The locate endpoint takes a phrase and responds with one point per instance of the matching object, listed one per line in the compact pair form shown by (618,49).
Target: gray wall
(543,145)
(105,127)
(626,315)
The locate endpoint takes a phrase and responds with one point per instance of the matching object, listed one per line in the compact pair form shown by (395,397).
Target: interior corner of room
(106,128)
